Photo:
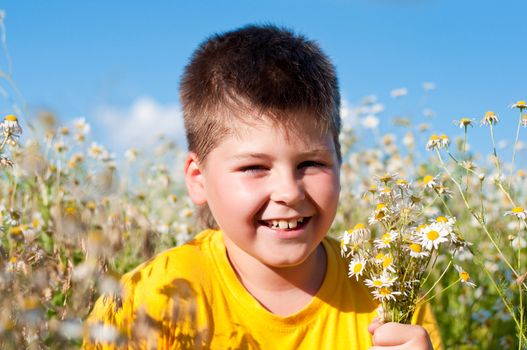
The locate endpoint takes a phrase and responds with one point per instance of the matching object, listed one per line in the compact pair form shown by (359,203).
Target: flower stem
(514,147)
(479,220)
(435,284)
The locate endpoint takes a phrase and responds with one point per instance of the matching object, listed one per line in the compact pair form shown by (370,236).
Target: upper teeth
(283,224)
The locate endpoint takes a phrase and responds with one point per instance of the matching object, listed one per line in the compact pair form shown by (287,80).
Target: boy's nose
(287,189)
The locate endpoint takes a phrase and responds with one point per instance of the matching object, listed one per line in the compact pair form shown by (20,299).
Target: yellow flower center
(357,268)
(70,210)
(443,137)
(427,179)
(11,118)
(380,206)
(386,238)
(15,231)
(415,247)
(35,222)
(432,235)
(442,219)
(379,215)
(517,210)
(13,260)
(434,138)
(490,114)
(377,283)
(379,256)
(359,227)
(521,104)
(387,261)
(464,276)
(385,178)
(465,121)
(402,182)
(384,291)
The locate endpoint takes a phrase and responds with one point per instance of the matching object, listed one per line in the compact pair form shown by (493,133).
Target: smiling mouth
(285,224)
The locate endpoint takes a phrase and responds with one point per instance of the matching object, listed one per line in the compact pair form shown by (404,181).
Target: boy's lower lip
(289,233)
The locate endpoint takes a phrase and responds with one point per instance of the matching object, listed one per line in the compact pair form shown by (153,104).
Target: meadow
(74,218)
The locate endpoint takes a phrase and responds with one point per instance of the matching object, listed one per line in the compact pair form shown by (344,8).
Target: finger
(399,347)
(392,334)
(375,323)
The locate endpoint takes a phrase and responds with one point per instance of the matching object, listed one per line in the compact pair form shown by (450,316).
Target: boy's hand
(397,336)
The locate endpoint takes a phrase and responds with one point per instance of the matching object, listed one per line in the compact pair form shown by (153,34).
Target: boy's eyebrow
(313,152)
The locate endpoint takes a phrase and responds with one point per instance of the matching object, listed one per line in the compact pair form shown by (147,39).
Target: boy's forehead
(287,123)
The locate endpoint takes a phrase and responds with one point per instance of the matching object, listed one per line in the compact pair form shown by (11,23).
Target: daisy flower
(10,125)
(430,181)
(432,236)
(444,141)
(379,257)
(400,92)
(17,233)
(520,104)
(97,151)
(131,154)
(385,293)
(387,263)
(359,233)
(380,213)
(344,241)
(519,212)
(489,118)
(443,190)
(416,251)
(6,162)
(433,142)
(370,122)
(447,221)
(518,242)
(384,280)
(60,147)
(464,122)
(464,277)
(387,177)
(81,126)
(385,192)
(356,267)
(37,221)
(385,240)
(402,184)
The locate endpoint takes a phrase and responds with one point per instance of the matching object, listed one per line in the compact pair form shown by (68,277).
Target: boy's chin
(288,259)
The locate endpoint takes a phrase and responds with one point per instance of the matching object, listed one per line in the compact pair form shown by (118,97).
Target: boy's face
(273,191)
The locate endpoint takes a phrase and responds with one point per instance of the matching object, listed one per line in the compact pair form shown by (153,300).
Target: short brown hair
(263,69)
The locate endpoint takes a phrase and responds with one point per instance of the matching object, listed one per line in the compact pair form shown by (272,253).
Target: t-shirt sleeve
(425,317)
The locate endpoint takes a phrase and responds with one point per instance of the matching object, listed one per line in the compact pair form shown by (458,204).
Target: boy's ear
(194,179)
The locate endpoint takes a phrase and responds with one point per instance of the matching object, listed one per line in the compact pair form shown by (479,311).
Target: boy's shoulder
(189,261)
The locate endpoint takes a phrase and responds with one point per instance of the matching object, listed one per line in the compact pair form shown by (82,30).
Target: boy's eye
(252,168)
(311,163)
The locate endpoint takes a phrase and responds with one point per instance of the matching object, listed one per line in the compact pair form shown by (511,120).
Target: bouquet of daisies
(395,261)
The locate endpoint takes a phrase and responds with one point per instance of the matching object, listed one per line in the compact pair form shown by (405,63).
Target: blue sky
(115,61)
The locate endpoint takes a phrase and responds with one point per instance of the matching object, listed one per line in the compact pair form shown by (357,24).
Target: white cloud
(140,124)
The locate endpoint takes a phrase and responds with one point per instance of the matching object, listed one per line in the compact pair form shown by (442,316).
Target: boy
(261,109)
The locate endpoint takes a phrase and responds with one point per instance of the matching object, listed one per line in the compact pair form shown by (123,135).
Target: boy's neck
(281,290)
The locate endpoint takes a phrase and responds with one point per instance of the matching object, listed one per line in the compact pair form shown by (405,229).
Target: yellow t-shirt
(189,297)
